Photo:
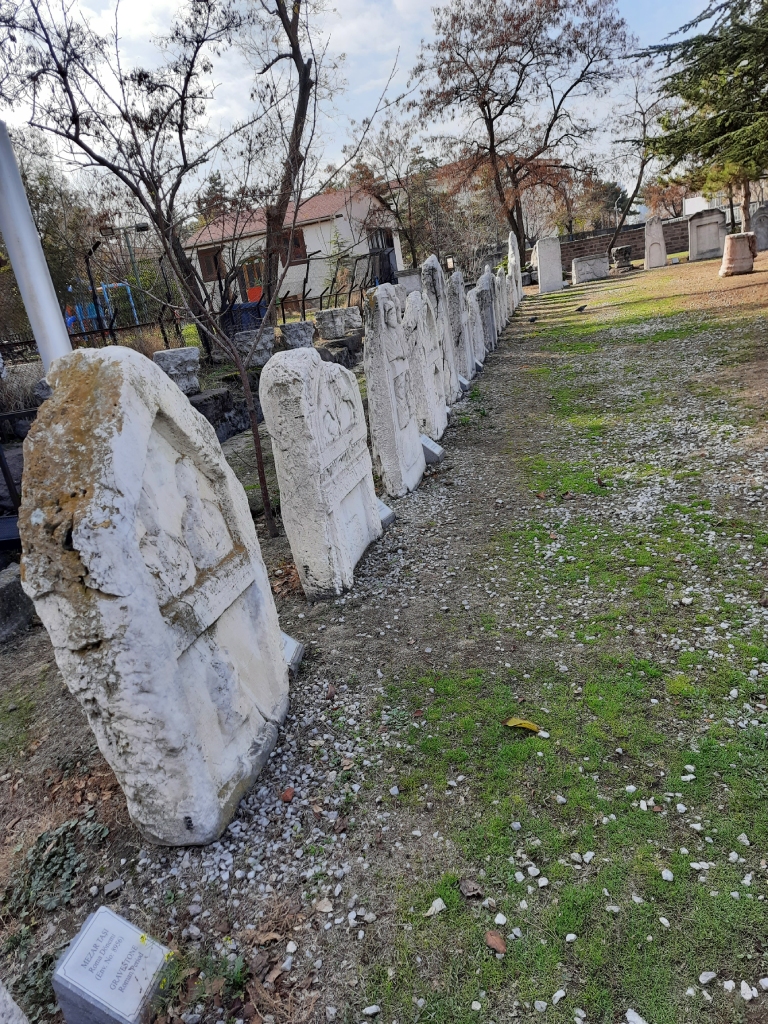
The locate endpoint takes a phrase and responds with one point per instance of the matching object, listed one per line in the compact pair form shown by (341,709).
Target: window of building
(299,252)
(212,264)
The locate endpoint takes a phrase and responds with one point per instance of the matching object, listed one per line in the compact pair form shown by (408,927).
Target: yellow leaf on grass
(522,723)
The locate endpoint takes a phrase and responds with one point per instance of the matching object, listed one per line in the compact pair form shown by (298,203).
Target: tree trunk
(186,271)
(628,207)
(746,200)
(730,206)
(253,417)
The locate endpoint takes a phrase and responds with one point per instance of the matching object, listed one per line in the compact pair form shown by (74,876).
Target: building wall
(675,237)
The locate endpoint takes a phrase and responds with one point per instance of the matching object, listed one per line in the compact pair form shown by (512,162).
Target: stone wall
(675,237)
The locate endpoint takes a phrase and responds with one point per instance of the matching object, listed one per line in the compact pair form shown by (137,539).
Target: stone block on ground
(227,416)
(621,256)
(314,415)
(739,254)
(339,354)
(16,609)
(547,258)
(182,365)
(299,334)
(386,514)
(265,346)
(425,359)
(331,323)
(433,452)
(353,319)
(706,235)
(110,973)
(655,246)
(293,652)
(173,647)
(391,405)
(589,268)
(434,292)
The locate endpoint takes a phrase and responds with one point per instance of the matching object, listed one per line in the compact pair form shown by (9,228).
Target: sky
(376,37)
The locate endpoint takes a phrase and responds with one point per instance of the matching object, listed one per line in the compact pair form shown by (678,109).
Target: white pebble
(667,875)
(560,994)
(706,976)
(476,1006)
(664,921)
(500,919)
(570,937)
(729,986)
(540,1006)
(631,789)
(742,839)
(746,992)
(371,1011)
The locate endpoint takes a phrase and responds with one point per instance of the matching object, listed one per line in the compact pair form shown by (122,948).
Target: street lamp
(139,227)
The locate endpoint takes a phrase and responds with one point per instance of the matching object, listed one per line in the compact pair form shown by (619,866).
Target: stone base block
(16,609)
(386,514)
(293,651)
(226,416)
(299,334)
(433,452)
(463,384)
(478,366)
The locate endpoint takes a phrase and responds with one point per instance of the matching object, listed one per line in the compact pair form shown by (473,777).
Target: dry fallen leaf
(522,723)
(469,888)
(324,906)
(495,941)
(437,906)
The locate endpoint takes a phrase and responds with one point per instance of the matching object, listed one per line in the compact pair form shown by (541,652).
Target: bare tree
(510,76)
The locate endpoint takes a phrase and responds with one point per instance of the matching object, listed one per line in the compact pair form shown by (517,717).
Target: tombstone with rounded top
(655,246)
(433,291)
(706,235)
(140,554)
(314,414)
(426,364)
(476,327)
(739,254)
(392,418)
(459,318)
(547,257)
(759,226)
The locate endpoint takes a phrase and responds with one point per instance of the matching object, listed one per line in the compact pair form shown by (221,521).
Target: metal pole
(135,273)
(26,253)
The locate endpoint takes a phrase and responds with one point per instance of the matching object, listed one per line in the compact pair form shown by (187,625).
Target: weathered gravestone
(394,428)
(759,225)
(314,415)
(182,366)
(331,323)
(495,298)
(433,292)
(514,272)
(589,268)
(459,319)
(244,342)
(141,557)
(739,254)
(353,319)
(655,246)
(501,292)
(484,293)
(706,235)
(299,334)
(476,328)
(110,973)
(402,294)
(426,363)
(622,257)
(547,258)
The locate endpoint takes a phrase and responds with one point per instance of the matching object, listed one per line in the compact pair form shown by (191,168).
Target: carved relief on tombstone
(426,364)
(706,235)
(759,226)
(141,557)
(397,450)
(460,333)
(314,415)
(514,270)
(655,246)
(501,291)
(476,327)
(547,257)
(487,315)
(433,291)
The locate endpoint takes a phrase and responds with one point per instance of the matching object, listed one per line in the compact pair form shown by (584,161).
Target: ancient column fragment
(655,246)
(395,439)
(426,364)
(433,291)
(476,328)
(141,557)
(459,318)
(547,257)
(739,254)
(484,294)
(314,415)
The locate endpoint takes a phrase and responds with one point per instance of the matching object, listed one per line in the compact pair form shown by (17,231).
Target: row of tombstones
(141,555)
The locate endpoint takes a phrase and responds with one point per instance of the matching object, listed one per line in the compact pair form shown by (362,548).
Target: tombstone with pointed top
(460,332)
(141,557)
(433,292)
(476,328)
(501,291)
(655,246)
(392,417)
(314,414)
(487,316)
(426,363)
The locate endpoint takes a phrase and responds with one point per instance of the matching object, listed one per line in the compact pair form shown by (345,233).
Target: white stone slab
(460,330)
(433,452)
(433,292)
(589,268)
(476,328)
(314,414)
(391,406)
(141,557)
(425,358)
(293,652)
(494,294)
(181,365)
(109,972)
(547,258)
(9,1011)
(484,295)
(353,318)
(655,246)
(502,297)
(706,235)
(759,225)
(386,514)
(464,384)
(514,271)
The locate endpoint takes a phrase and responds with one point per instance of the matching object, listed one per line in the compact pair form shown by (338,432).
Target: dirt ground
(590,557)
